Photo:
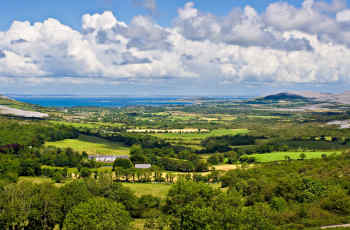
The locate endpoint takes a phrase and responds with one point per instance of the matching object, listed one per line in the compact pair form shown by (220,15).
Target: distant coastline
(113,101)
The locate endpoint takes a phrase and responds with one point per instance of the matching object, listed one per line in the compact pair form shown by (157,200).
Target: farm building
(143,166)
(103,158)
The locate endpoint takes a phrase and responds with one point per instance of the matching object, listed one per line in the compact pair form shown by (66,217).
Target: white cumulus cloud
(284,44)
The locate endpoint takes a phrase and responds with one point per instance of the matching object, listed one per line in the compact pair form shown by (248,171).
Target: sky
(173,47)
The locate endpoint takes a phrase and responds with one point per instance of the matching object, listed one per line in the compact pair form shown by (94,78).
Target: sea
(122,101)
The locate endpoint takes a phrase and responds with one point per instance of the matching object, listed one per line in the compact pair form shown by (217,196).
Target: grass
(280,156)
(70,170)
(226,167)
(138,224)
(263,117)
(41,180)
(35,180)
(158,190)
(18,105)
(182,116)
(92,145)
(90,125)
(186,136)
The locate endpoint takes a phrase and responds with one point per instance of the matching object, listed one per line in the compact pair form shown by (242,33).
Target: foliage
(122,163)
(98,214)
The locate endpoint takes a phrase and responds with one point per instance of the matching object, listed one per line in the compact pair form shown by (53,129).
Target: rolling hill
(11,107)
(340,98)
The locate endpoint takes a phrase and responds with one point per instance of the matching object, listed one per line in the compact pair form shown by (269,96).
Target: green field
(90,125)
(35,180)
(70,170)
(280,156)
(263,117)
(92,145)
(186,136)
(158,190)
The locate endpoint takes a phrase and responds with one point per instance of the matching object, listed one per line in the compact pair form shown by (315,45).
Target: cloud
(149,5)
(241,27)
(333,7)
(284,44)
(327,21)
(343,16)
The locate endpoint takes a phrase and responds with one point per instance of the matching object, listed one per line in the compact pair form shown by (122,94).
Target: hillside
(285,96)
(12,107)
(340,98)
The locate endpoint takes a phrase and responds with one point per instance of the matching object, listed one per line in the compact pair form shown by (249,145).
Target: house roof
(108,158)
(143,166)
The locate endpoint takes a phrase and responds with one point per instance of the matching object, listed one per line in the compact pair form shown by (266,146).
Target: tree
(98,214)
(302,156)
(85,172)
(119,193)
(46,209)
(183,193)
(136,150)
(29,167)
(139,159)
(73,194)
(15,206)
(122,163)
(148,206)
(57,177)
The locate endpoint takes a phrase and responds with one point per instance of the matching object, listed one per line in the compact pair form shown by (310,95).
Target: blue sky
(174,47)
(70,11)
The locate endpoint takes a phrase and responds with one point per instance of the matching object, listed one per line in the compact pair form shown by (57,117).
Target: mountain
(285,96)
(341,98)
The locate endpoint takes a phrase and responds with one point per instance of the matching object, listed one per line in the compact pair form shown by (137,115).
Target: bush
(122,163)
(247,159)
(337,202)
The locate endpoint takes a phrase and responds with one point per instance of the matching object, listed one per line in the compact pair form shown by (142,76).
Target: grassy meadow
(188,136)
(281,156)
(92,145)
(158,190)
(90,125)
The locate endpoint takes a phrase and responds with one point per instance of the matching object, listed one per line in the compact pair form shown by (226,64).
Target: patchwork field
(263,117)
(188,136)
(91,125)
(91,145)
(281,156)
(181,116)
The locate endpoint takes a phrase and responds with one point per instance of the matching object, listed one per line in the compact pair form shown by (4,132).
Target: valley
(282,152)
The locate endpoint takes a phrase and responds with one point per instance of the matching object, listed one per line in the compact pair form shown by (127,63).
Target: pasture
(281,156)
(263,117)
(158,190)
(35,180)
(91,145)
(182,116)
(200,136)
(70,170)
(89,125)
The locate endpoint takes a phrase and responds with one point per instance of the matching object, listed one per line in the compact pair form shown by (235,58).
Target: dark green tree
(122,163)
(98,214)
